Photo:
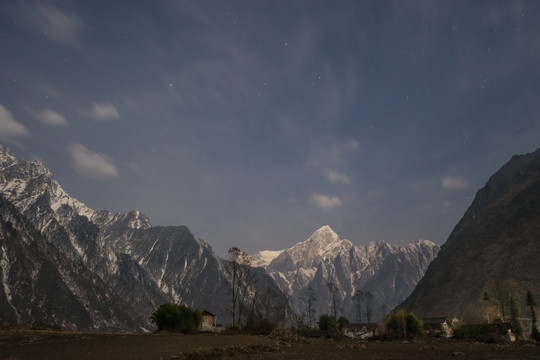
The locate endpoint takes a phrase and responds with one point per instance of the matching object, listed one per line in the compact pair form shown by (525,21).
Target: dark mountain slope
(495,245)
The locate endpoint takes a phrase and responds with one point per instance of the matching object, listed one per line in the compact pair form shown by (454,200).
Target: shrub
(179,318)
(415,326)
(342,321)
(327,322)
(401,324)
(480,332)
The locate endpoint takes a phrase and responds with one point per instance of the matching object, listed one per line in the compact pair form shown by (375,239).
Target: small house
(208,321)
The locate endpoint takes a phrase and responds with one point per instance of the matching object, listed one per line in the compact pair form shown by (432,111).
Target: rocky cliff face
(495,246)
(389,273)
(63,263)
(41,286)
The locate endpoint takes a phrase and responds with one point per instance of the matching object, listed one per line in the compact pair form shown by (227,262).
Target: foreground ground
(18,344)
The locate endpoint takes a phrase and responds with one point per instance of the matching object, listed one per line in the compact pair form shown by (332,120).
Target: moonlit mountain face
(65,264)
(388,272)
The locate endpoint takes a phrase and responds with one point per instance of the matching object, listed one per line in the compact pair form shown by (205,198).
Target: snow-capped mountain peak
(388,272)
(6,157)
(111,271)
(323,236)
(25,181)
(265,257)
(323,243)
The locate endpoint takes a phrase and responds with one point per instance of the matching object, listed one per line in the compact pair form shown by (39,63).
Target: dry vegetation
(280,344)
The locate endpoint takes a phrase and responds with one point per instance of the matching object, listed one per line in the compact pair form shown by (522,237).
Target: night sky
(255,123)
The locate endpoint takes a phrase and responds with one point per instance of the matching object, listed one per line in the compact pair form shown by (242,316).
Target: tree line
(509,310)
(251,305)
(363,303)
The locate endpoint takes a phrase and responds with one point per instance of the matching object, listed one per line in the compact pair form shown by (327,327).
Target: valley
(65,265)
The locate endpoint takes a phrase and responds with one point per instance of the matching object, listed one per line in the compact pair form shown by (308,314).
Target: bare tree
(358,298)
(369,299)
(383,311)
(515,321)
(239,269)
(268,304)
(310,301)
(283,313)
(332,289)
(501,297)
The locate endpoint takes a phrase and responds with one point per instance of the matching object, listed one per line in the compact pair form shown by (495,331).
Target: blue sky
(256,122)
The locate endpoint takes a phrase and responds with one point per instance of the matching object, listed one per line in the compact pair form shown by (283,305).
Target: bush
(327,322)
(342,321)
(178,318)
(471,331)
(401,324)
(415,326)
(480,332)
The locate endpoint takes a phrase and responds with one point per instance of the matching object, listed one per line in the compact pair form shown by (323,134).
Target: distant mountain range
(63,263)
(493,253)
(388,273)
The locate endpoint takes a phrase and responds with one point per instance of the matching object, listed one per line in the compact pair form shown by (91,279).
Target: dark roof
(207,313)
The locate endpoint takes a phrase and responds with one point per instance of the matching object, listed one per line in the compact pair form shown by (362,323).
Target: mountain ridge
(325,258)
(125,259)
(130,262)
(494,245)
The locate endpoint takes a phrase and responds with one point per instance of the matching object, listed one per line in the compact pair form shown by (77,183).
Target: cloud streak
(9,127)
(105,111)
(325,202)
(337,178)
(58,25)
(50,117)
(454,183)
(90,164)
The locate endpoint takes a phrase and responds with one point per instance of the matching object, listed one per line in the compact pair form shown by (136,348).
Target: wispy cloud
(332,152)
(10,127)
(325,202)
(50,117)
(337,178)
(454,183)
(92,165)
(57,24)
(105,111)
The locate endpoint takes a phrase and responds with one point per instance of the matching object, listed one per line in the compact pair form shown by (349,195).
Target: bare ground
(21,344)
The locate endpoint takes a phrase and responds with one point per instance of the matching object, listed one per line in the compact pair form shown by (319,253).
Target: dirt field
(60,345)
